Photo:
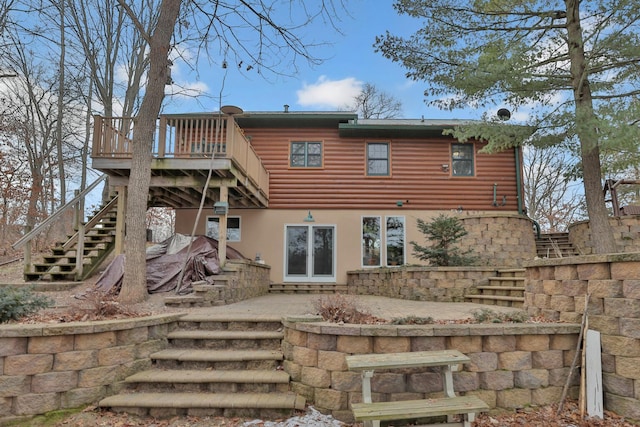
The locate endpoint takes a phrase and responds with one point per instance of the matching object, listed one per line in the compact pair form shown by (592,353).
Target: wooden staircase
(221,365)
(506,289)
(97,243)
(555,245)
(307,288)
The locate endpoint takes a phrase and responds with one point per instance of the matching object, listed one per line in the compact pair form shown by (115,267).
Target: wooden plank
(366,362)
(408,409)
(594,375)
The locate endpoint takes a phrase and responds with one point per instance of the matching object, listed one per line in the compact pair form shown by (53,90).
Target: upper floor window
(306,155)
(378,158)
(462,159)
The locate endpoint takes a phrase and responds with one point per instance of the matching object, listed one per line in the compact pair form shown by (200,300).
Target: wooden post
(120,219)
(27,251)
(222,230)
(80,251)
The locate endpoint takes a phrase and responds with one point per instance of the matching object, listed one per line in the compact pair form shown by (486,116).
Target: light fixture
(220,208)
(309,218)
(445,167)
(399,203)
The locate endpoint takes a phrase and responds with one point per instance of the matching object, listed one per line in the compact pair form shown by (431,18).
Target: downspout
(517,150)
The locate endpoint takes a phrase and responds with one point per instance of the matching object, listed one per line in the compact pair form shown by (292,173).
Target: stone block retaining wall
(50,367)
(512,365)
(626,232)
(557,289)
(442,284)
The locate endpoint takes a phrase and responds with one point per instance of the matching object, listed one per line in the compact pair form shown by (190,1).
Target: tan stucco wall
(263,230)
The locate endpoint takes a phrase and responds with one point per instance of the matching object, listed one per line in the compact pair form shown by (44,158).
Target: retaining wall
(557,290)
(512,365)
(626,232)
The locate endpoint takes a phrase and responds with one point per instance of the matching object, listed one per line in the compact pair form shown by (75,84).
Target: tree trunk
(601,234)
(134,286)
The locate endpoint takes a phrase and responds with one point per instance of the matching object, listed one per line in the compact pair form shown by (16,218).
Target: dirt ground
(74,305)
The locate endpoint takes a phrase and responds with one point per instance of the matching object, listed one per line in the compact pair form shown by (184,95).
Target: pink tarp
(166,260)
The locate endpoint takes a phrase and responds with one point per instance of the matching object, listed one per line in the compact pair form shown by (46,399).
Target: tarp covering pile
(166,260)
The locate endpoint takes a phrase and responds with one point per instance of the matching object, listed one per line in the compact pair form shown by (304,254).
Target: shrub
(102,305)
(444,233)
(486,315)
(412,320)
(340,308)
(16,303)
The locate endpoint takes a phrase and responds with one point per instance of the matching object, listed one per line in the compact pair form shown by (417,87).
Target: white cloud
(325,93)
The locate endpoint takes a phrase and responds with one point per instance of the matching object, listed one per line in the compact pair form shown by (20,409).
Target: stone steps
(222,365)
(506,290)
(307,288)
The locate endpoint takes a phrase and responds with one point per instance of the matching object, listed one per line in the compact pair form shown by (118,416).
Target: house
(316,194)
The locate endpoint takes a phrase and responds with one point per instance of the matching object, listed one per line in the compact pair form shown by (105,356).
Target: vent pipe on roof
(286,108)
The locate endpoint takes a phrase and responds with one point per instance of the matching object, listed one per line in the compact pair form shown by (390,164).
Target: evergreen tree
(444,232)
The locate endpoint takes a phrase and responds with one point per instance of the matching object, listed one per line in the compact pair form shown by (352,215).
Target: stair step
(200,376)
(501,288)
(196,355)
(224,335)
(230,402)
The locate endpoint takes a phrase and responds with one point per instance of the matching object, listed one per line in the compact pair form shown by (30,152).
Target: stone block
(330,399)
(132,336)
(28,364)
(483,362)
(548,359)
(51,344)
(32,404)
(75,360)
(295,337)
(565,272)
(620,346)
(465,381)
(608,363)
(515,360)
(532,342)
(321,342)
(54,381)
(622,307)
(303,390)
(94,377)
(562,303)
(570,317)
(612,383)
(593,271)
(631,288)
(14,385)
(10,346)
(390,382)
(391,344)
(315,377)
(81,396)
(605,288)
(293,369)
(499,344)
(424,382)
(628,327)
(625,270)
(331,360)
(531,378)
(574,287)
(305,356)
(354,345)
(546,396)
(95,341)
(623,406)
(514,398)
(487,396)
(628,367)
(496,380)
(116,355)
(563,342)
(428,343)
(466,345)
(346,381)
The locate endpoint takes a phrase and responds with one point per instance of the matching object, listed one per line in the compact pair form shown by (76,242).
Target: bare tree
(553,198)
(373,103)
(250,32)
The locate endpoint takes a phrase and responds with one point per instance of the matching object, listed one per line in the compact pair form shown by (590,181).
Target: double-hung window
(306,154)
(462,159)
(378,159)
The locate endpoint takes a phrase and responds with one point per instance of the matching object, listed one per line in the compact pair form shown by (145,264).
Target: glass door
(310,253)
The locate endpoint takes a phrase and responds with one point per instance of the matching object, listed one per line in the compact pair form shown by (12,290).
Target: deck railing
(198,136)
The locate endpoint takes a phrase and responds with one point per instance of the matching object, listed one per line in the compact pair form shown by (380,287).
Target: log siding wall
(416,174)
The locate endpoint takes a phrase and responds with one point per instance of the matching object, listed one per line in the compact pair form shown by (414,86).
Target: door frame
(309,278)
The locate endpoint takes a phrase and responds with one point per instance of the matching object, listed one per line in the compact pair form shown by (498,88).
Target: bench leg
(469,418)
(366,396)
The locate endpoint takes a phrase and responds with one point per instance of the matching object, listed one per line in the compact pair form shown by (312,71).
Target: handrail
(30,235)
(94,220)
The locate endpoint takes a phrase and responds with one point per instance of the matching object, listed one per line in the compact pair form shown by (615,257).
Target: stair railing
(26,239)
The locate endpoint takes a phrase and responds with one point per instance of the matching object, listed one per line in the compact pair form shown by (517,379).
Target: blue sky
(350,62)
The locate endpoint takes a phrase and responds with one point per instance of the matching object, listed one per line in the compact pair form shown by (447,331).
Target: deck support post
(120,219)
(222,233)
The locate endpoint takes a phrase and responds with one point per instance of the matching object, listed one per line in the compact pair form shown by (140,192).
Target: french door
(310,253)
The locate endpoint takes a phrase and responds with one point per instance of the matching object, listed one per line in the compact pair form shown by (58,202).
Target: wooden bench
(374,412)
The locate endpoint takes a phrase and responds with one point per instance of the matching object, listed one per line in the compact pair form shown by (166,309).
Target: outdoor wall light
(220,208)
(445,167)
(309,218)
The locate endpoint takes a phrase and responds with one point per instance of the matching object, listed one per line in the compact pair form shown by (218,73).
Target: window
(378,158)
(462,159)
(379,236)
(233,228)
(306,155)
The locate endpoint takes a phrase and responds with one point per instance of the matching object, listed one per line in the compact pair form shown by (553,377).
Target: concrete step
(162,405)
(180,380)
(504,301)
(217,359)
(226,339)
(307,288)
(249,322)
